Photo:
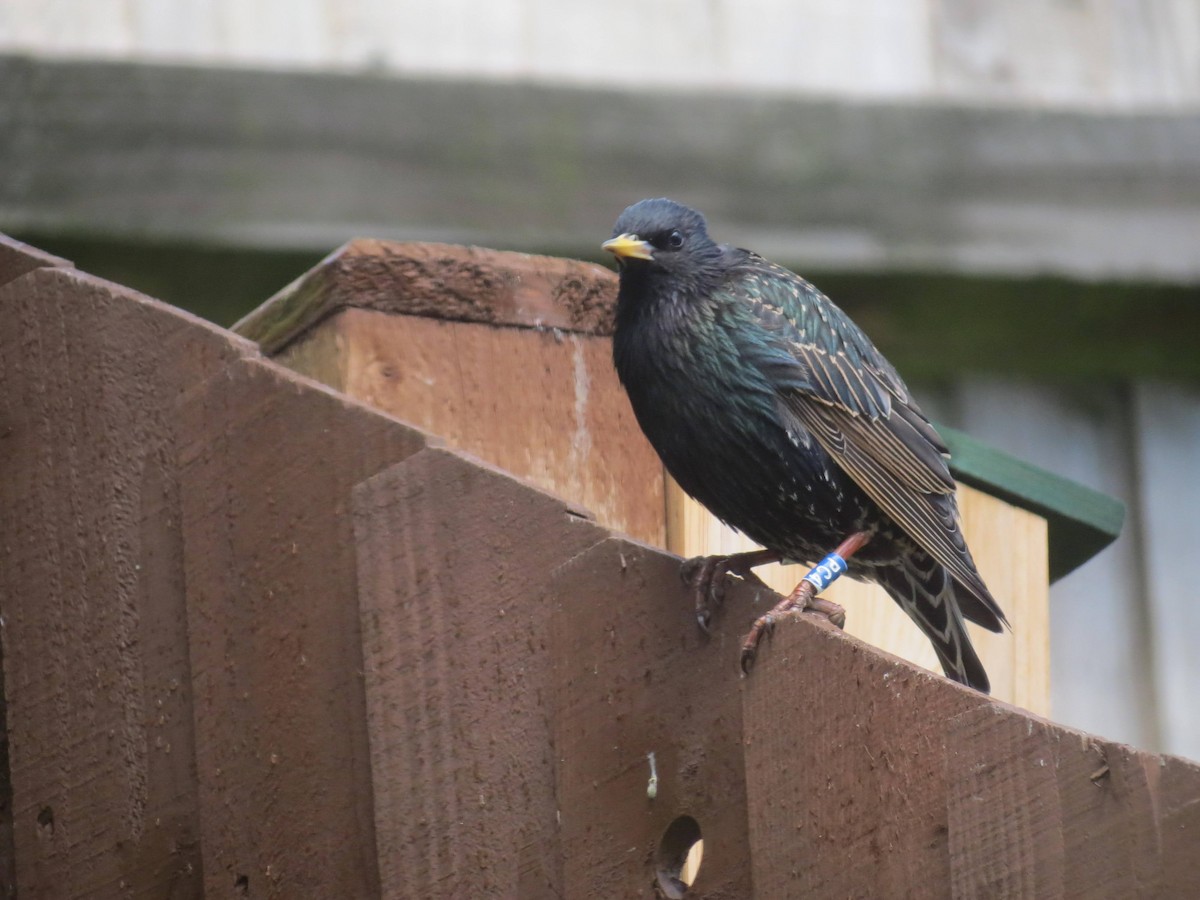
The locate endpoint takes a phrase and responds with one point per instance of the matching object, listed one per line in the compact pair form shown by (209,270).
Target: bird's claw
(747,660)
(764,626)
(800,600)
(690,568)
(705,575)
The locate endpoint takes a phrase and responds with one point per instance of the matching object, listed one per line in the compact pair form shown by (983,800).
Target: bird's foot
(802,599)
(834,612)
(708,586)
(705,575)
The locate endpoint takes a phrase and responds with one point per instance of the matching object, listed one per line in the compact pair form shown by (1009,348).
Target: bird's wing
(831,379)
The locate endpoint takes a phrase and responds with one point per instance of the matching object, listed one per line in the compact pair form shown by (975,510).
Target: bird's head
(662,237)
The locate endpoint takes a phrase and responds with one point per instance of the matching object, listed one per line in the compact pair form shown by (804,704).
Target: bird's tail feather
(926,591)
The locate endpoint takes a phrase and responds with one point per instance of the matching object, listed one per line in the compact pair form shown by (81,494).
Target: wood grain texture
(840,183)
(449,281)
(542,404)
(904,784)
(454,559)
(1006,834)
(635,676)
(268,461)
(1176,785)
(846,780)
(1009,546)
(1039,810)
(555,660)
(97,679)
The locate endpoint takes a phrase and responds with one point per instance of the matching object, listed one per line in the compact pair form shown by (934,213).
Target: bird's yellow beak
(628,245)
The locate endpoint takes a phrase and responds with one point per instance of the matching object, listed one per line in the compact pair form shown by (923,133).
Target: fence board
(1040,810)
(453,561)
(844,768)
(1177,800)
(635,676)
(197,542)
(267,463)
(1006,836)
(97,682)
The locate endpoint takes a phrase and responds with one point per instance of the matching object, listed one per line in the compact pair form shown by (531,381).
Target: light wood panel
(544,405)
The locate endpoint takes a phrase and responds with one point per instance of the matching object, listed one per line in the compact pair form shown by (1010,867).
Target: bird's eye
(675,240)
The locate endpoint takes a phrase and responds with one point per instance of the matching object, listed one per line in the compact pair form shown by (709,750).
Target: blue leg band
(826,572)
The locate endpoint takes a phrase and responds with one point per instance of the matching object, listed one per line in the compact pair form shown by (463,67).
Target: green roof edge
(1081,521)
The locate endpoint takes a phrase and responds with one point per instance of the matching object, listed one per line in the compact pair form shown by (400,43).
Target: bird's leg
(706,577)
(804,596)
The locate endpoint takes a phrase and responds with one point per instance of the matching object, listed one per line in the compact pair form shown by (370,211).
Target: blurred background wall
(1005,193)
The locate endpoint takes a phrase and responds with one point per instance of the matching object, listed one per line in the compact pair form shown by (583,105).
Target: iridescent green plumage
(774,410)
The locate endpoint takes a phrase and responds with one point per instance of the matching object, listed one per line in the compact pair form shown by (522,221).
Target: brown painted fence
(261,640)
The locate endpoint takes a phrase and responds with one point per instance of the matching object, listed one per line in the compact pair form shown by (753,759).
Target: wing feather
(832,380)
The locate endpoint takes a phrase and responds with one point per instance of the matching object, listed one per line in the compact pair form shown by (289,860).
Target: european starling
(773,409)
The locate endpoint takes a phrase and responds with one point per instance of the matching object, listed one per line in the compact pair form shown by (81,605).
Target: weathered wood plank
(635,676)
(268,460)
(558,659)
(1176,786)
(1039,810)
(243,156)
(454,559)
(845,775)
(1099,54)
(447,281)
(1005,818)
(96,673)
(968,797)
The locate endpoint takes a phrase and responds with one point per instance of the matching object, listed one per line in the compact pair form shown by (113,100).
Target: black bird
(772,408)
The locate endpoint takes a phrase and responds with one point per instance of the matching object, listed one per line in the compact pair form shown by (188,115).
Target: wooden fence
(262,640)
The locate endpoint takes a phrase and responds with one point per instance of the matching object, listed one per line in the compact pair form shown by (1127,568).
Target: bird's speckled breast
(712,418)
